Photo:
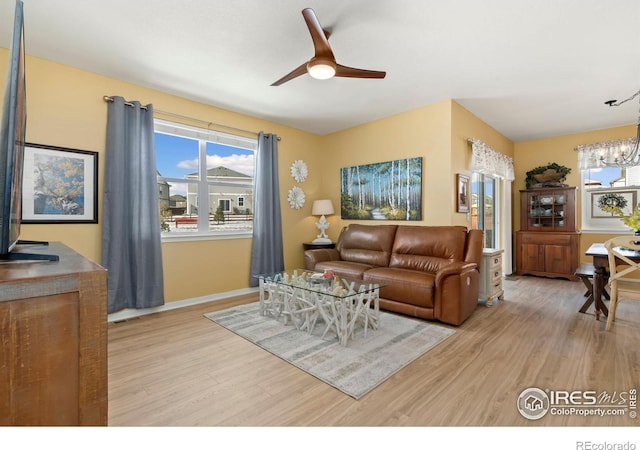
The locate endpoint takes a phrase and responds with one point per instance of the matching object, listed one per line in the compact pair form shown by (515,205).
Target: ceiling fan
(323,65)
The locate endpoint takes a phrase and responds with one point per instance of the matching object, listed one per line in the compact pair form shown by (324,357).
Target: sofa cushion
(367,244)
(428,248)
(414,287)
(345,269)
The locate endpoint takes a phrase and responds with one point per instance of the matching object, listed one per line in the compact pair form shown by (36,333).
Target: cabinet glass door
(546,211)
(542,211)
(559,202)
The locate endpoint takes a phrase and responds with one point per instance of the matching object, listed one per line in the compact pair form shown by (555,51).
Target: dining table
(600,257)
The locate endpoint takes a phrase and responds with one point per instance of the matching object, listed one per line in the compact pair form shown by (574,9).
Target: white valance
(486,160)
(592,156)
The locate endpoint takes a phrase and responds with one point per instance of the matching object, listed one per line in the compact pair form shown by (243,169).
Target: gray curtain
(266,247)
(131,250)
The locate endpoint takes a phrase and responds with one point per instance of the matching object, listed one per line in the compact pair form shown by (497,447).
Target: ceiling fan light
(321,70)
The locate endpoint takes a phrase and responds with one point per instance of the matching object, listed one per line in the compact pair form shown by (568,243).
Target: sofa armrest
(455,268)
(313,257)
(456,292)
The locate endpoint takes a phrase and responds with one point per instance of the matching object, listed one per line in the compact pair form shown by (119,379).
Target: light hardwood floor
(177,368)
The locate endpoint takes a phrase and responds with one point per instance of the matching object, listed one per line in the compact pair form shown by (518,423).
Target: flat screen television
(12,140)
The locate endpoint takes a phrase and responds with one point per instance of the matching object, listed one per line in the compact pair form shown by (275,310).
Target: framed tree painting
(60,185)
(390,190)
(463,193)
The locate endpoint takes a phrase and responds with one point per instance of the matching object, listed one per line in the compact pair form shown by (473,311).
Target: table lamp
(322,208)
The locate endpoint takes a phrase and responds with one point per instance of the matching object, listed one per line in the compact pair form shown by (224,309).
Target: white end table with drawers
(491,276)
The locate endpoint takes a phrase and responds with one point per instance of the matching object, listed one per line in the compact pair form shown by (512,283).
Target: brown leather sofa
(430,272)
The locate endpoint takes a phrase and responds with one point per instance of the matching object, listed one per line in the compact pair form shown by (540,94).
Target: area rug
(355,369)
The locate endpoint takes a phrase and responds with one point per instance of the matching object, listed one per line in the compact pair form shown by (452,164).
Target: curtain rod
(108,98)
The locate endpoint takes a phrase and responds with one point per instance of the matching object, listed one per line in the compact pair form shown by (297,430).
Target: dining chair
(624,273)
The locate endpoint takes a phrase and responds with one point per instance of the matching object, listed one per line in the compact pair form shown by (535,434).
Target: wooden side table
(313,246)
(491,276)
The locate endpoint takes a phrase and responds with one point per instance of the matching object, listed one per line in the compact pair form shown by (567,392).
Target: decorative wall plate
(299,170)
(296,197)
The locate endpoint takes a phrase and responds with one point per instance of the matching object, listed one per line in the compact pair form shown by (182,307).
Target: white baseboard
(126,314)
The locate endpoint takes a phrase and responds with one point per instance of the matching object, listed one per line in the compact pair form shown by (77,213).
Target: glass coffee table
(308,298)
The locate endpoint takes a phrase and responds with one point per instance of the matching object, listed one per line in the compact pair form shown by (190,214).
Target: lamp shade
(322,207)
(321,68)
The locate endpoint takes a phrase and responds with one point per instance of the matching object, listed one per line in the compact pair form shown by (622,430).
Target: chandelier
(625,153)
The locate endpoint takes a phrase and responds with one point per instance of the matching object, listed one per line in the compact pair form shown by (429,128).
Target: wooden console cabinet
(53,340)
(547,243)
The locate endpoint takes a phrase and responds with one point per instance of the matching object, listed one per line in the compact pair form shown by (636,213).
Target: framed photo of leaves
(59,185)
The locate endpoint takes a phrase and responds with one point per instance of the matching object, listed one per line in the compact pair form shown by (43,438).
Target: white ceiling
(529,68)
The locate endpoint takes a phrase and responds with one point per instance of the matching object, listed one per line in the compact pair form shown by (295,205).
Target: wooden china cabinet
(547,243)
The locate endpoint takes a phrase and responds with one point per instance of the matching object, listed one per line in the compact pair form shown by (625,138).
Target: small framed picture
(59,185)
(463,193)
(625,200)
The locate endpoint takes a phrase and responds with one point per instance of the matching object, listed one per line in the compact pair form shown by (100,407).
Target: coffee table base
(304,307)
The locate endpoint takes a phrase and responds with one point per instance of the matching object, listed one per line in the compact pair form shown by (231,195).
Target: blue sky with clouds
(605,175)
(177,157)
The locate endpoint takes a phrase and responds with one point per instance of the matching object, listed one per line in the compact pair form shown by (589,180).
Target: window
(604,181)
(225,204)
(240,202)
(199,170)
(484,207)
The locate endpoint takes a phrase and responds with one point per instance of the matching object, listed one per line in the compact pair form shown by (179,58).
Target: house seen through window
(205,180)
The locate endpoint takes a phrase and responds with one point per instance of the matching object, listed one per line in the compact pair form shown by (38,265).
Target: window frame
(203,183)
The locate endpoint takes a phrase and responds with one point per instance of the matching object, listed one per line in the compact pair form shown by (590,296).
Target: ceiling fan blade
(300,70)
(318,35)
(352,72)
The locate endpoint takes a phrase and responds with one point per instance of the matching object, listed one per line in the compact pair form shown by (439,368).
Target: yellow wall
(561,150)
(467,126)
(424,132)
(438,133)
(66,108)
